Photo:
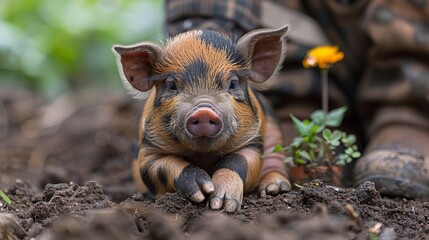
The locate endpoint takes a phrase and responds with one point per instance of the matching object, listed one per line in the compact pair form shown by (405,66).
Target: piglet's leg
(170,173)
(234,174)
(273,175)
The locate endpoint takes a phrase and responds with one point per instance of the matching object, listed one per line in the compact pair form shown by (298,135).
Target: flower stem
(325,94)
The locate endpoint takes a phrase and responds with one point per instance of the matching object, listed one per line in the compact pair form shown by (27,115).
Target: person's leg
(397,158)
(393,99)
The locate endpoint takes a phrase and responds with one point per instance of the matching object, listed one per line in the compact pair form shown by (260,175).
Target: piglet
(205,133)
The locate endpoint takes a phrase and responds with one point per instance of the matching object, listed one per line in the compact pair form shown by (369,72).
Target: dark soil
(66,167)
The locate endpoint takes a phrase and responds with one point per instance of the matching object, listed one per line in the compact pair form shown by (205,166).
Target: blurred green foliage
(56,45)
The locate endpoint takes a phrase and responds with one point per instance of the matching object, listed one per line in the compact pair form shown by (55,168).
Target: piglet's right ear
(136,63)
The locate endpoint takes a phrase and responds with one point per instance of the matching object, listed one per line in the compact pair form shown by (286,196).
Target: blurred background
(64,115)
(56,46)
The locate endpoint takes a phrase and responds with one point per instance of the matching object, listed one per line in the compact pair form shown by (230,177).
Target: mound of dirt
(69,211)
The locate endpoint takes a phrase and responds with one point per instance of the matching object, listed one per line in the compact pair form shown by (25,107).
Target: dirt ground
(66,166)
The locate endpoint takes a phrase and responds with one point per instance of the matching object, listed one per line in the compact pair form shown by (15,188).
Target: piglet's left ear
(265,50)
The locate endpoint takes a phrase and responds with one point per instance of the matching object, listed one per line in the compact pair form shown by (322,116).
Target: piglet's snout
(204,122)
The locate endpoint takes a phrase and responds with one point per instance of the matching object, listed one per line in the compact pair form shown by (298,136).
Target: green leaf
(342,159)
(320,129)
(342,156)
(278,148)
(296,154)
(335,117)
(356,154)
(300,127)
(305,155)
(300,161)
(335,143)
(327,134)
(349,139)
(318,117)
(296,143)
(314,129)
(349,151)
(349,160)
(336,135)
(312,145)
(5,197)
(317,139)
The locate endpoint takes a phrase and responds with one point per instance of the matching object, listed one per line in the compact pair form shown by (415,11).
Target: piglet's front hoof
(228,203)
(229,192)
(273,183)
(193,184)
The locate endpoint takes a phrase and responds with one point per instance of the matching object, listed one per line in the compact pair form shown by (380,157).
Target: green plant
(316,143)
(5,197)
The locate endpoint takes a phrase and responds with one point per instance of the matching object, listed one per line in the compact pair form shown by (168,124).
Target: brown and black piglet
(204,130)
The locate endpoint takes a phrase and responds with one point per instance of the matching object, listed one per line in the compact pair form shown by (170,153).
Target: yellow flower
(322,57)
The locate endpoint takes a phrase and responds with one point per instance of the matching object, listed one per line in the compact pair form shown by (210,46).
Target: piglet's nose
(204,122)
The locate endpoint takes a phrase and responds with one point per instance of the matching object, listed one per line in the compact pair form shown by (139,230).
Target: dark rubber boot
(397,161)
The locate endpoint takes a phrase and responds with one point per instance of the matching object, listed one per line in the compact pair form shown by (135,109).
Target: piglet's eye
(233,84)
(171,84)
